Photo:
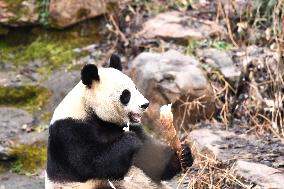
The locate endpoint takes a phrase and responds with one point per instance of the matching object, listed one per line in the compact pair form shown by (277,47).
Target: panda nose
(145,106)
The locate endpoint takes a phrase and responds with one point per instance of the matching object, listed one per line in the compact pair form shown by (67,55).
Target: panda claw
(186,157)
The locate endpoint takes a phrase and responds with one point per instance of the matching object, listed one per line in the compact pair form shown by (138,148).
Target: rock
(259,57)
(22,89)
(177,25)
(11,121)
(12,78)
(208,140)
(33,137)
(60,86)
(64,13)
(262,175)
(4,153)
(19,13)
(15,181)
(173,78)
(227,148)
(220,60)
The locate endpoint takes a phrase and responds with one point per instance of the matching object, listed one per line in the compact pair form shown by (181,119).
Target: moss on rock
(52,47)
(29,158)
(31,98)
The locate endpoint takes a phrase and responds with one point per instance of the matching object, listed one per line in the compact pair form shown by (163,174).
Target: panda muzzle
(134,117)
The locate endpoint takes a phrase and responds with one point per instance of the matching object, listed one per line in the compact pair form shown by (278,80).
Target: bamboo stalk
(168,130)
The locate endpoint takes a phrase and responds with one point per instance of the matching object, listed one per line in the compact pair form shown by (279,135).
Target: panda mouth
(134,117)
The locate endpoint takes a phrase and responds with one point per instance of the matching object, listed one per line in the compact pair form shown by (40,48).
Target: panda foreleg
(116,160)
(157,160)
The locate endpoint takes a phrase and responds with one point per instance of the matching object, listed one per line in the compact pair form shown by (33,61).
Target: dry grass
(210,173)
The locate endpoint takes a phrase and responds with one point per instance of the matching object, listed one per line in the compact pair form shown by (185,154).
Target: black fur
(89,74)
(79,151)
(125,97)
(186,157)
(96,149)
(115,62)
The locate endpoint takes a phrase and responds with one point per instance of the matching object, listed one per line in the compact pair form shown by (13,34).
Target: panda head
(112,95)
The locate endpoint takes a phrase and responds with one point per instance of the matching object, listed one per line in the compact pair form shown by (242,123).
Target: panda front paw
(132,140)
(186,157)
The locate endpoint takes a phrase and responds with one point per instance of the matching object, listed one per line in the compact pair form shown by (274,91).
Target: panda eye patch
(125,97)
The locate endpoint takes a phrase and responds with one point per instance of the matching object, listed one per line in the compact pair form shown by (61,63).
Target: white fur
(72,105)
(135,179)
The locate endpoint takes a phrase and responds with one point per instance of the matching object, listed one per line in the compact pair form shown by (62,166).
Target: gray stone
(264,176)
(12,78)
(64,13)
(221,60)
(33,137)
(172,78)
(60,83)
(4,153)
(178,25)
(15,181)
(208,140)
(11,122)
(259,57)
(228,148)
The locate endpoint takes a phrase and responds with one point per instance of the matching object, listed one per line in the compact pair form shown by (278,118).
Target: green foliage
(222,45)
(192,44)
(183,3)
(29,158)
(17,167)
(41,128)
(157,6)
(14,2)
(31,98)
(44,12)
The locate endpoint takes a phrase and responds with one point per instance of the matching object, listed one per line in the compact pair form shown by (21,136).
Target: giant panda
(96,140)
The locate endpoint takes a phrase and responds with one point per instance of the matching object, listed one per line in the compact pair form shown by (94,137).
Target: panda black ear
(89,74)
(115,62)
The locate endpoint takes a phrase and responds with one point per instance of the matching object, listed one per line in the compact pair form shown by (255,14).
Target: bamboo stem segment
(168,130)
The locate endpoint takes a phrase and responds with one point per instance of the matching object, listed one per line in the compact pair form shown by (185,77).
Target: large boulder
(64,13)
(173,78)
(60,13)
(178,25)
(220,60)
